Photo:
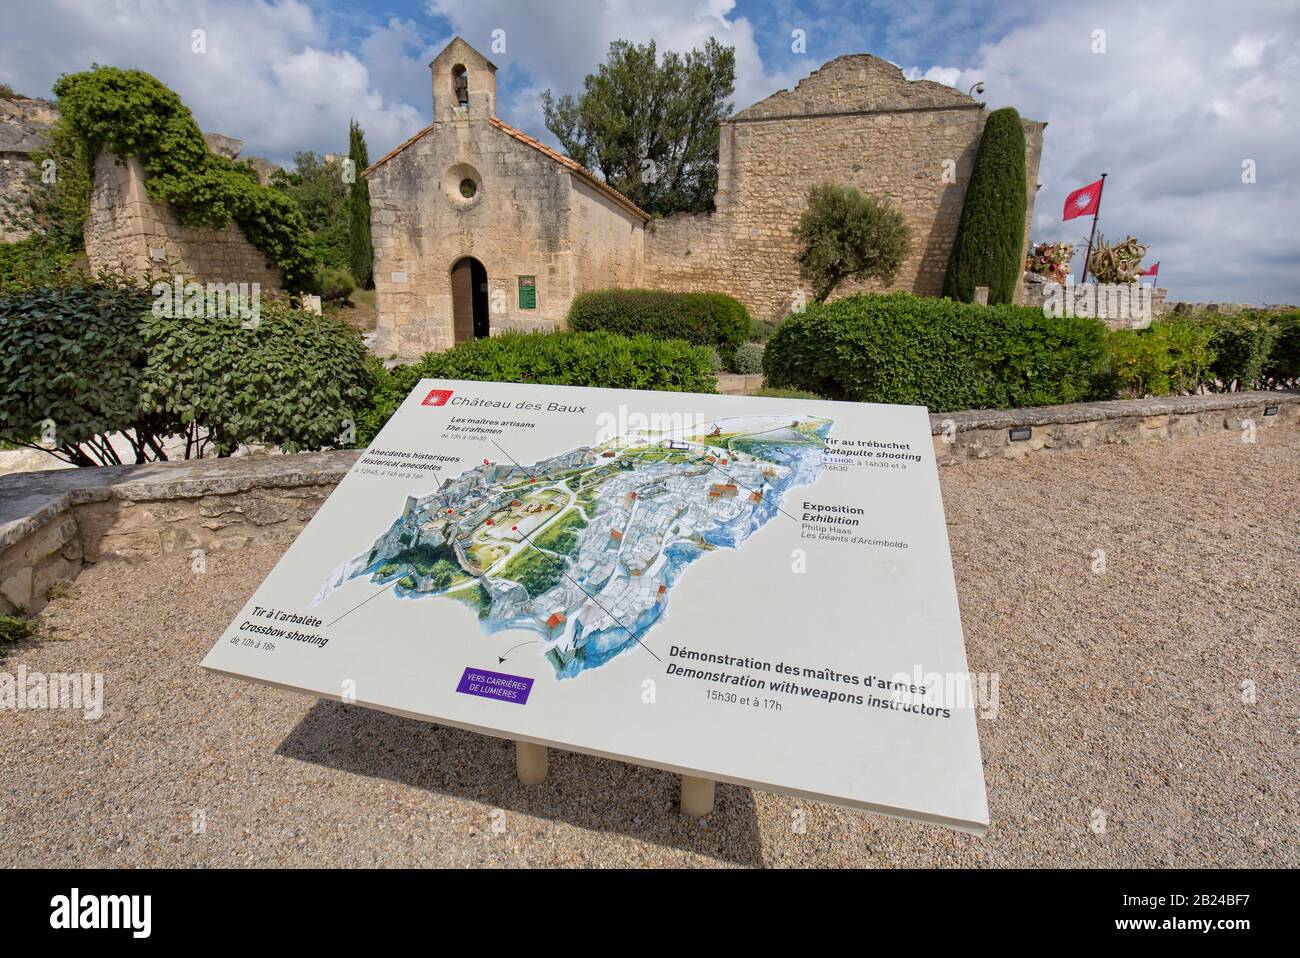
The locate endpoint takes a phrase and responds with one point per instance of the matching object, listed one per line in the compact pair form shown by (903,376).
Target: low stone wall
(52,523)
(978,434)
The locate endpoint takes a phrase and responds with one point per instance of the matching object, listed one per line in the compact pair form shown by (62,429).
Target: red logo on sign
(437,397)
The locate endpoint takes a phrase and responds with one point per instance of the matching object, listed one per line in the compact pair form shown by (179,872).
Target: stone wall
(1116,313)
(1119,306)
(52,523)
(128,232)
(24,128)
(979,434)
(855,122)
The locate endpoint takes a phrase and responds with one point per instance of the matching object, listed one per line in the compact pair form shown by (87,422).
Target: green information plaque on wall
(527,292)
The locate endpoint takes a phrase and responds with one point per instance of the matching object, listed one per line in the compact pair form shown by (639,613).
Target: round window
(468,188)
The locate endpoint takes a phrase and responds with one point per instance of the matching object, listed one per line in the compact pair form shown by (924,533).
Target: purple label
(495,685)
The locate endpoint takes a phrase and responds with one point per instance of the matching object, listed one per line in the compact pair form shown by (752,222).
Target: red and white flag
(1152,271)
(1082,201)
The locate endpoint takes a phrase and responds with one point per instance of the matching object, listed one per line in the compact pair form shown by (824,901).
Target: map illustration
(583,548)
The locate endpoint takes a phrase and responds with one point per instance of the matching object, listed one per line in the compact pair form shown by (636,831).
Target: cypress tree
(361,255)
(989,246)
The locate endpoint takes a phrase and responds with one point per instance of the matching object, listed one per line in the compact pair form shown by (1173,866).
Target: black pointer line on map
(754,492)
(361,603)
(502,658)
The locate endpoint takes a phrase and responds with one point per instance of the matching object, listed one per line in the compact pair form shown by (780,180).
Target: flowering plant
(1050,259)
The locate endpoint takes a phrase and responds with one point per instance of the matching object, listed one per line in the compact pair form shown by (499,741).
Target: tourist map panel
(757,590)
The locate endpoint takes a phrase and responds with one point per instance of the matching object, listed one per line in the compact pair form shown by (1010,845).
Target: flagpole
(1095,213)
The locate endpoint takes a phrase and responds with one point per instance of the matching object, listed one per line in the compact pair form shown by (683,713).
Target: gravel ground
(1120,695)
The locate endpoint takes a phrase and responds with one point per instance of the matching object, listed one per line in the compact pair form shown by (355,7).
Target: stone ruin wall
(855,122)
(128,232)
(24,126)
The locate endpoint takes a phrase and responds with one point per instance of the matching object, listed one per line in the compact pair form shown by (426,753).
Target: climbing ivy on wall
(131,113)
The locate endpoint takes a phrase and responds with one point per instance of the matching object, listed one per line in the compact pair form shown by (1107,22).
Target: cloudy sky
(1188,105)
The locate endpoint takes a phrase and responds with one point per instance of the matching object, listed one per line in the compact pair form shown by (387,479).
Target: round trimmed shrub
(749,358)
(336,285)
(703,319)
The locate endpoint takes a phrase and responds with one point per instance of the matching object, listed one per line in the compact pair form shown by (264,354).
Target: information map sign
(753,590)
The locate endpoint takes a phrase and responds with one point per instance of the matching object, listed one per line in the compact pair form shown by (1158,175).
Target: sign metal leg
(697,796)
(530,763)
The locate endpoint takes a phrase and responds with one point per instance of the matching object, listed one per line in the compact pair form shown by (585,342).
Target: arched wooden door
(469,300)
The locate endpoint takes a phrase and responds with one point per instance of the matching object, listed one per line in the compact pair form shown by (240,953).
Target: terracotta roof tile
(572,165)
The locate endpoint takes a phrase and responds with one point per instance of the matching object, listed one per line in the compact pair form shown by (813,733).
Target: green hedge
(1166,358)
(704,319)
(1283,365)
(900,348)
(566,359)
(1255,349)
(72,356)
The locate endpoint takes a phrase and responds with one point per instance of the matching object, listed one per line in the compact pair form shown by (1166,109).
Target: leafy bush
(1166,358)
(845,235)
(1283,366)
(761,331)
(1242,345)
(72,364)
(15,629)
(132,114)
(570,359)
(292,379)
(900,348)
(989,247)
(35,261)
(336,285)
(749,358)
(317,187)
(704,319)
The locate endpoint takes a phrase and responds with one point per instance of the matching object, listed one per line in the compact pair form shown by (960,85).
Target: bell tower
(464,83)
